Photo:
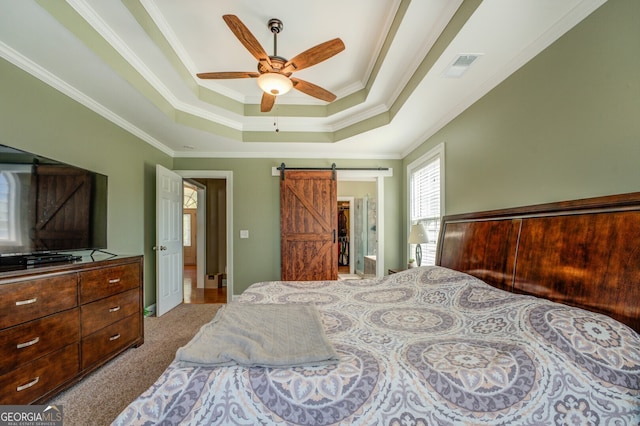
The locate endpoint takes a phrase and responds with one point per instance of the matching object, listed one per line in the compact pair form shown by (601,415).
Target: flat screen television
(48,207)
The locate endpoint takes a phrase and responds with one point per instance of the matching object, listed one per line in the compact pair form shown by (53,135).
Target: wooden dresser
(59,322)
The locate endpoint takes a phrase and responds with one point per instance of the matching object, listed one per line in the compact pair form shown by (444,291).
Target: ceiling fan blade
(313,90)
(267,102)
(247,39)
(227,75)
(314,55)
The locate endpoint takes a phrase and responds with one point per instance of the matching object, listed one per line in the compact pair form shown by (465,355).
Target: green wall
(565,126)
(256,207)
(357,189)
(37,118)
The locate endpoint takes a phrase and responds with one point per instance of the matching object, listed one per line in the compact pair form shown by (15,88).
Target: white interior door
(169,267)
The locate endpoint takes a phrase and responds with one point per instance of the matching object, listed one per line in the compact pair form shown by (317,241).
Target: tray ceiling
(134,62)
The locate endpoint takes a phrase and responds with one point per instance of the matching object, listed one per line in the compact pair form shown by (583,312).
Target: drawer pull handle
(26,302)
(114,281)
(29,343)
(114,309)
(28,385)
(116,337)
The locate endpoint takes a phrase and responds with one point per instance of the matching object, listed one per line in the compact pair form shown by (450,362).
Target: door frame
(377,176)
(228,177)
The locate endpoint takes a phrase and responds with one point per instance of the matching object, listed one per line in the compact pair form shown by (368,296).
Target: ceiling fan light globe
(274,83)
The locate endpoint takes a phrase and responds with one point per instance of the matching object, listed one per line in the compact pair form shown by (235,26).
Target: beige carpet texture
(102,395)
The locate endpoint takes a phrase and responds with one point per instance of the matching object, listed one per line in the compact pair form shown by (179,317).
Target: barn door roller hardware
(333,168)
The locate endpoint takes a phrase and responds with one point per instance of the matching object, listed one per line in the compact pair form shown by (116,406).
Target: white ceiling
(134,62)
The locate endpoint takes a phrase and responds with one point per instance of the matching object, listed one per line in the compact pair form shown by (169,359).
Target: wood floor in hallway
(193,294)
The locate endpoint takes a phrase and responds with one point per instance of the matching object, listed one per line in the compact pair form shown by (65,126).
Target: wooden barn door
(308,225)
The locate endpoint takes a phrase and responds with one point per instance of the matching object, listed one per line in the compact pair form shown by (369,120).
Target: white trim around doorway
(228,177)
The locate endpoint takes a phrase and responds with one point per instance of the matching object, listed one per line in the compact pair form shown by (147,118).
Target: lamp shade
(274,83)
(418,234)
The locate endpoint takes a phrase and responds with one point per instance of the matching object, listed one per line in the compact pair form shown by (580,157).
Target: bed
(481,338)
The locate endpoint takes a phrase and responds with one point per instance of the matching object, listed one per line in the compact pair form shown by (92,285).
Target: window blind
(425,204)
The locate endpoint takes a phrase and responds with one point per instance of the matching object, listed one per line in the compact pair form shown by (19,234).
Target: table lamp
(418,235)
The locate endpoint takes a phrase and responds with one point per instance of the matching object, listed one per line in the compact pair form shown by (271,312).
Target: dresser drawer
(29,341)
(101,313)
(33,380)
(99,283)
(109,340)
(27,300)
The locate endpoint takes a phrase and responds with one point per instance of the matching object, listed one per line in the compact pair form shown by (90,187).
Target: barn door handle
(334,236)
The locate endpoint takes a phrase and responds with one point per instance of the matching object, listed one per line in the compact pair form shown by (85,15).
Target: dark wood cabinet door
(308,225)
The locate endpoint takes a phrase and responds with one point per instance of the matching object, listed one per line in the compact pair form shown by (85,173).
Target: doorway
(346,238)
(358,209)
(195,235)
(209,216)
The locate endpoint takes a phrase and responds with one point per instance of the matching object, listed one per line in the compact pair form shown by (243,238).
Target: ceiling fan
(274,72)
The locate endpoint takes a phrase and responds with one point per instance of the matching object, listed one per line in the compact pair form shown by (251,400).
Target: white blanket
(269,335)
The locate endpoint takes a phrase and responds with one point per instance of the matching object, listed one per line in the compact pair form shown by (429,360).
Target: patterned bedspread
(428,346)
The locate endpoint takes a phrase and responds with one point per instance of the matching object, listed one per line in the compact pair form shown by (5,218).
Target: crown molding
(52,80)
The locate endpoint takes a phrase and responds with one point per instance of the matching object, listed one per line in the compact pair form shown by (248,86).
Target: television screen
(47,206)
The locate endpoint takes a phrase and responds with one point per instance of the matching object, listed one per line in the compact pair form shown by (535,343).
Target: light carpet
(102,395)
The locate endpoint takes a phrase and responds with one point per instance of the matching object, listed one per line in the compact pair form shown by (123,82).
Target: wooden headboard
(584,253)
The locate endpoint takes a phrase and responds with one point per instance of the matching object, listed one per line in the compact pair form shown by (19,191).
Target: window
(9,208)
(426,198)
(190,197)
(190,202)
(5,209)
(186,230)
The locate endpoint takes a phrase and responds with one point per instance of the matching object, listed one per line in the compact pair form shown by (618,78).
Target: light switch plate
(244,233)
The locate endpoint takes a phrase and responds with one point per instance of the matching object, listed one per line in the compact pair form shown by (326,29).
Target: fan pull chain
(275,120)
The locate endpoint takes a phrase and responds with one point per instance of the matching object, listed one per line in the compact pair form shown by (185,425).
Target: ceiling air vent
(460,65)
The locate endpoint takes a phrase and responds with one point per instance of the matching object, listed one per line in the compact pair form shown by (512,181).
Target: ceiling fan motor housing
(275,25)
(277,63)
